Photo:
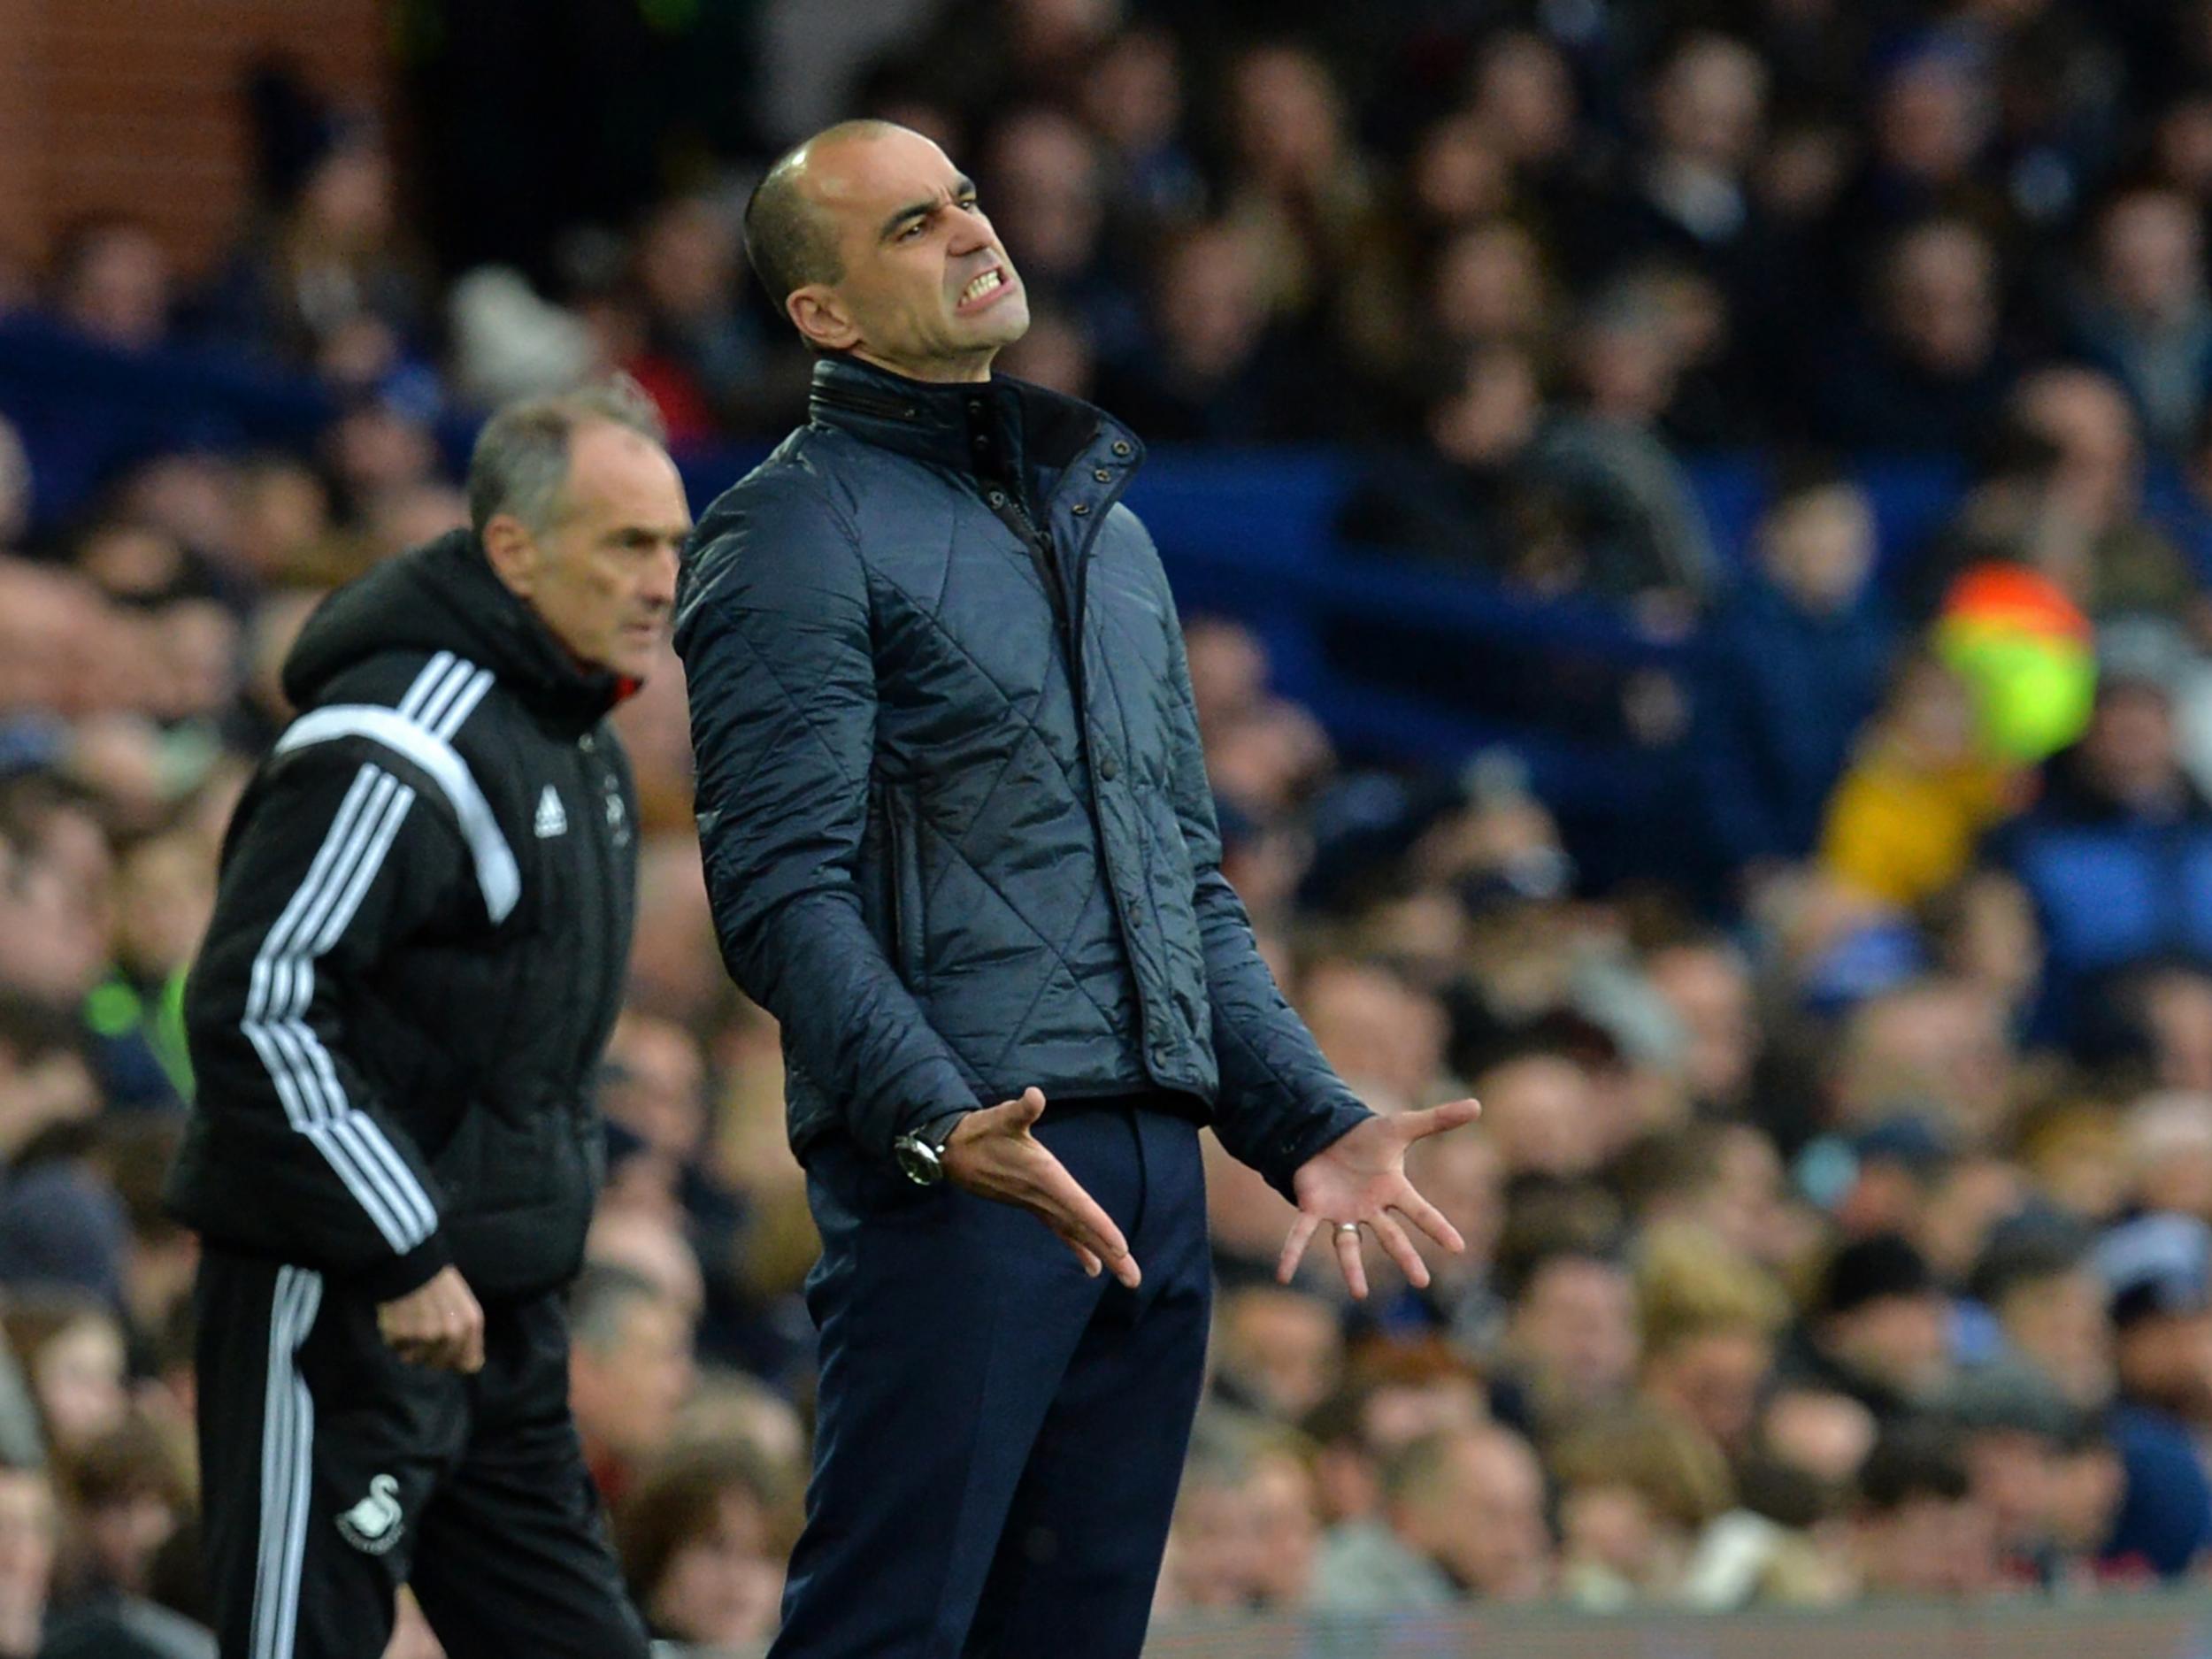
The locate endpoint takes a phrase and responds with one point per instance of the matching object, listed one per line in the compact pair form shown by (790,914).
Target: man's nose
(971,230)
(660,575)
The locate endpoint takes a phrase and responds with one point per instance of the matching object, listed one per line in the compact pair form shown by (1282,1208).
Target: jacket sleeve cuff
(1308,1136)
(395,1276)
(925,1094)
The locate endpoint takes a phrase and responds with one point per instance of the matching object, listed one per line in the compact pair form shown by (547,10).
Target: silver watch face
(918,1161)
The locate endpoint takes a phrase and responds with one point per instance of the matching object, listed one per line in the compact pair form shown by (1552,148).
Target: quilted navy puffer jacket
(953,853)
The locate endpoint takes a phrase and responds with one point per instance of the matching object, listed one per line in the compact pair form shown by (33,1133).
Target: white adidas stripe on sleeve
(282,986)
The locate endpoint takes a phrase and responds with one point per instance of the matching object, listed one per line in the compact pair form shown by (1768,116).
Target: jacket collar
(570,695)
(1001,428)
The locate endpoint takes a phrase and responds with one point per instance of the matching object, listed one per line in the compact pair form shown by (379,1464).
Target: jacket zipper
(1105,506)
(1016,516)
(598,781)
(1070,614)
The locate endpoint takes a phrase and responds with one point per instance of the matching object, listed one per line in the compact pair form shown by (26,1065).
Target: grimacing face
(601,575)
(928,290)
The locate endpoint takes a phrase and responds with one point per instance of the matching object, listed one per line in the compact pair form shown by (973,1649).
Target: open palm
(1361,1179)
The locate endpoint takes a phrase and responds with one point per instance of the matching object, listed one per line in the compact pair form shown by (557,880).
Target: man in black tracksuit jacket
(417,950)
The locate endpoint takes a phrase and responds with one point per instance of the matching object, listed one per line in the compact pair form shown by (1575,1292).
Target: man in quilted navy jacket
(959,841)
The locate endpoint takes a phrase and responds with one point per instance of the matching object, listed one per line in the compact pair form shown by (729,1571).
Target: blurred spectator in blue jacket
(2054,1301)
(1794,665)
(2118,852)
(2155,1268)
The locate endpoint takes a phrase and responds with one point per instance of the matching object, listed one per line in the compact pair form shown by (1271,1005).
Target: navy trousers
(999,1437)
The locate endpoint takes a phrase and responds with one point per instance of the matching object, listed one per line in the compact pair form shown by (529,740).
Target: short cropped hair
(787,241)
(519,465)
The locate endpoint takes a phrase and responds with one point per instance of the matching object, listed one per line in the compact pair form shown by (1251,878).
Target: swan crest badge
(374,1525)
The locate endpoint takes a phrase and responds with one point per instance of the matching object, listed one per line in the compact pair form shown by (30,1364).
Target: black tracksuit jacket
(418,948)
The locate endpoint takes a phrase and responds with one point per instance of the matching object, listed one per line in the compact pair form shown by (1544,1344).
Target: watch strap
(937,1130)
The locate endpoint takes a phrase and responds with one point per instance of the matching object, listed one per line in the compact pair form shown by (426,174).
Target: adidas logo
(552,819)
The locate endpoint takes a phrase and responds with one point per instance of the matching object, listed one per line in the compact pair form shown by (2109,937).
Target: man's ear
(821,318)
(513,553)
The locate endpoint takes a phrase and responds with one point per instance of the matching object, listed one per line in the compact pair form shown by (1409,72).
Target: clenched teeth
(981,285)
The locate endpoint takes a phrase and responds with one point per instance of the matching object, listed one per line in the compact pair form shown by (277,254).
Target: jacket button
(1102,475)
(1121,446)
(1080,508)
(1108,768)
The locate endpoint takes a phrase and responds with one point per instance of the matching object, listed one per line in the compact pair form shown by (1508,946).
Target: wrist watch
(920,1152)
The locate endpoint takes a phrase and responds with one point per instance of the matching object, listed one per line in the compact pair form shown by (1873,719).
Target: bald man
(959,841)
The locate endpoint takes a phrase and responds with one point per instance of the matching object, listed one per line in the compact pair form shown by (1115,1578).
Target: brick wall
(133,106)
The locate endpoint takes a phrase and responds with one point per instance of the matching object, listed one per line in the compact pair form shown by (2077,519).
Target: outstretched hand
(1360,1180)
(992,1155)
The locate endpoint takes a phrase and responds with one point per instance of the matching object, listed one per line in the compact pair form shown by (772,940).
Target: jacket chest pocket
(904,893)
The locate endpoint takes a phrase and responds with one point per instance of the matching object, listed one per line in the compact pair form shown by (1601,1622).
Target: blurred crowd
(1840,1218)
